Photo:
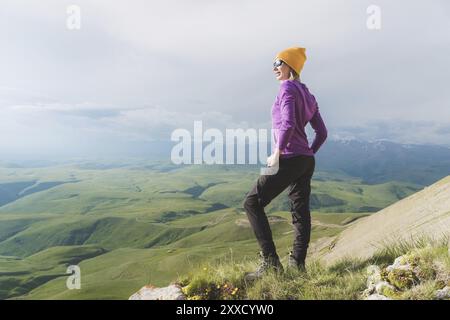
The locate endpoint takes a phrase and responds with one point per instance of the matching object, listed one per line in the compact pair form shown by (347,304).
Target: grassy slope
(344,280)
(125,211)
(118,273)
(152,192)
(19,276)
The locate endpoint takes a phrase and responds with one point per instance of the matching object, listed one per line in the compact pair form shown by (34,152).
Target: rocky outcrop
(407,274)
(443,294)
(172,292)
(377,288)
(376,296)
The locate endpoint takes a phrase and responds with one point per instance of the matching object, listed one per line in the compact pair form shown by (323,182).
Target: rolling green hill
(116,273)
(126,225)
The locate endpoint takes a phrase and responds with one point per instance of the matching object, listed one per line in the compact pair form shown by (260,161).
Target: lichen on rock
(419,274)
(402,279)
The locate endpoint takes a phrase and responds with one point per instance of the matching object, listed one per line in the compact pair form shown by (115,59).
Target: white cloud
(34,128)
(403,131)
(136,69)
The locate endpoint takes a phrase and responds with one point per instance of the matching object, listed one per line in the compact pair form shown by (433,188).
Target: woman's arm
(321,131)
(287,113)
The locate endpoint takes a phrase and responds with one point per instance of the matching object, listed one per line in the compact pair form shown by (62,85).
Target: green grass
(151,192)
(344,280)
(127,269)
(109,232)
(389,252)
(153,221)
(20,276)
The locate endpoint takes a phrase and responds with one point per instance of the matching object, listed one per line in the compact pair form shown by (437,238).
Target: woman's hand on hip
(274,158)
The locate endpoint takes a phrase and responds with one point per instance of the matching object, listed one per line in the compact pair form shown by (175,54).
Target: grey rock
(399,264)
(373,275)
(382,286)
(443,294)
(172,292)
(377,296)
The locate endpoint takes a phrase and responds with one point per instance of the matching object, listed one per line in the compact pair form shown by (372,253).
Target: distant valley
(127,222)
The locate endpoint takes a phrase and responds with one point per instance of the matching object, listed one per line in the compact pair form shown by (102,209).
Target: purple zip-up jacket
(294,107)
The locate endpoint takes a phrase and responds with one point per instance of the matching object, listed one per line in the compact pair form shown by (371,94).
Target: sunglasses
(278,63)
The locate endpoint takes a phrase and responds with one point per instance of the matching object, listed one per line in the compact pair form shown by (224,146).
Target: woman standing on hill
(293,109)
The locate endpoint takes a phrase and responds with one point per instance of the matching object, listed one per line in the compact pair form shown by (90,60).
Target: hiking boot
(267,264)
(293,264)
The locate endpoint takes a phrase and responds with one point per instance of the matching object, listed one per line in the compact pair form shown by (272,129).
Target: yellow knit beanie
(294,57)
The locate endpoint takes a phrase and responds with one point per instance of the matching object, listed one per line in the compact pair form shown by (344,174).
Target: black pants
(295,173)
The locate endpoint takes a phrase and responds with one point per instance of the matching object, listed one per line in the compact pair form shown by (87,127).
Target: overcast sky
(138,69)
